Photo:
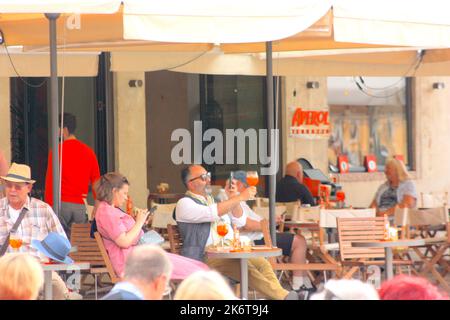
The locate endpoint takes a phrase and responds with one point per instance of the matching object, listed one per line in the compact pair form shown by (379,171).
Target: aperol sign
(310,124)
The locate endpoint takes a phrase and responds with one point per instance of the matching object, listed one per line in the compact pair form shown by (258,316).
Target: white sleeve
(189,211)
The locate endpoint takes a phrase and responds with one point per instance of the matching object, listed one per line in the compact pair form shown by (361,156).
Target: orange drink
(222,230)
(252,181)
(15,243)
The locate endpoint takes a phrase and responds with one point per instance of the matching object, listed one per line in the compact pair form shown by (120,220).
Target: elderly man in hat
(26,217)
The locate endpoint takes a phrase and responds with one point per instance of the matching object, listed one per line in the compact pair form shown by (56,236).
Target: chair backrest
(264,211)
(360,229)
(265,229)
(433,199)
(328,216)
(108,264)
(87,247)
(421,217)
(163,215)
(175,240)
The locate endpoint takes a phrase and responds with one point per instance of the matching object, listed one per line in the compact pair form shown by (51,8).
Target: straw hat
(19,173)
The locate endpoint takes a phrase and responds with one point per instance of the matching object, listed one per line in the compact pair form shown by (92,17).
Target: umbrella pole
(270,127)
(54,111)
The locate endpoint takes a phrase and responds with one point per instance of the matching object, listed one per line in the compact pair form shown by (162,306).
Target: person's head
(346,290)
(112,187)
(204,285)
(149,268)
(241,180)
(196,179)
(54,246)
(403,287)
(21,277)
(395,171)
(69,124)
(18,184)
(295,170)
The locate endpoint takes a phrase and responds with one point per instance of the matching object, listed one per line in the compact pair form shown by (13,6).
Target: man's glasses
(204,177)
(17,186)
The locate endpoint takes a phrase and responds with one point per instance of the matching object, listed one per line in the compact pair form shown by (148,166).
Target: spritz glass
(222,230)
(15,241)
(252,180)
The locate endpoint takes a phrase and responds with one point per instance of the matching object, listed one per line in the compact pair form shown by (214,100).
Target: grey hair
(147,263)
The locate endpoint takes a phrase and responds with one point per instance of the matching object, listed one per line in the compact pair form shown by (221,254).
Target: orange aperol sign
(310,124)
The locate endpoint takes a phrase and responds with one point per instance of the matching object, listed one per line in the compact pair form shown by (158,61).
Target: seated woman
(121,233)
(399,190)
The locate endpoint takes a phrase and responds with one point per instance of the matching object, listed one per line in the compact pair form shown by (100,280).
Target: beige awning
(38,64)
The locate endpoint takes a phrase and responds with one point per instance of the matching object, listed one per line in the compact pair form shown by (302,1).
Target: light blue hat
(54,246)
(241,176)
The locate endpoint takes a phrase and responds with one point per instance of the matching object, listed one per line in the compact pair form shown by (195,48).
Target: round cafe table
(243,256)
(388,245)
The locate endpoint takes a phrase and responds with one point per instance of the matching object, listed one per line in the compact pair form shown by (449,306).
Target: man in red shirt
(79,168)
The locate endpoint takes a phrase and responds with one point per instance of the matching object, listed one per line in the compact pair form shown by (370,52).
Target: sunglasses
(204,177)
(17,186)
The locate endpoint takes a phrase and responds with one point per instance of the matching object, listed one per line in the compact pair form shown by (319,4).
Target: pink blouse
(111,223)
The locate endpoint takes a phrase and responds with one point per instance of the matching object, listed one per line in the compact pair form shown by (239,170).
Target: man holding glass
(196,215)
(23,219)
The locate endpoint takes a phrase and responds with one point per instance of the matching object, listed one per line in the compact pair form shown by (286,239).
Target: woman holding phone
(121,232)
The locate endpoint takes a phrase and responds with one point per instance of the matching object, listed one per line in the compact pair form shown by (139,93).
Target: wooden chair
(88,251)
(361,229)
(279,265)
(174,238)
(279,212)
(109,267)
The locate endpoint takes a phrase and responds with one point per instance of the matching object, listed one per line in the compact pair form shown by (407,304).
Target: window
(369,115)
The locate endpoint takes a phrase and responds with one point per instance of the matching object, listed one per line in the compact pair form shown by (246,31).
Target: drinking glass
(252,180)
(222,230)
(15,241)
(340,197)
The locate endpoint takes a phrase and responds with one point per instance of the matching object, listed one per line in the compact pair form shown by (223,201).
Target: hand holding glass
(252,180)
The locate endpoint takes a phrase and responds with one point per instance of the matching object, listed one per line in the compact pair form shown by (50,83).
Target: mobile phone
(152,210)
(231,179)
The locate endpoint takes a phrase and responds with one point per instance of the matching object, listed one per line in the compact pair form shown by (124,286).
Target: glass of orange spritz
(252,180)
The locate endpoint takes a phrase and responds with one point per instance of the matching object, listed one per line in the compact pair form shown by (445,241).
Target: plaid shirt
(37,223)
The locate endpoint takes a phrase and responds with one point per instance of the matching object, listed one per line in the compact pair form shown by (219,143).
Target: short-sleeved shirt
(111,223)
(387,197)
(290,190)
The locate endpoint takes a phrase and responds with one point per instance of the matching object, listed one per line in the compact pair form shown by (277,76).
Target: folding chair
(161,218)
(426,223)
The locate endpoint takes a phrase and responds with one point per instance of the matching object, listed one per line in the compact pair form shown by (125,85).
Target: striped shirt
(37,223)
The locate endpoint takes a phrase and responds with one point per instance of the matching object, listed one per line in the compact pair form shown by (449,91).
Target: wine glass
(15,241)
(222,230)
(252,180)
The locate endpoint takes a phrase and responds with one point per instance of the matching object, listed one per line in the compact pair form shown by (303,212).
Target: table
(163,197)
(388,245)
(49,268)
(244,256)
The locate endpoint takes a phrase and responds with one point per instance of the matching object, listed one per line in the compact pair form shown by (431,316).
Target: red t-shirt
(79,168)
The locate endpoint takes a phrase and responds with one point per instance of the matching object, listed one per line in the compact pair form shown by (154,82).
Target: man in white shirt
(293,245)
(196,215)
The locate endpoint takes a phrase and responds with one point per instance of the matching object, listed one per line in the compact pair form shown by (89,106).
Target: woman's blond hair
(105,185)
(400,168)
(21,277)
(204,285)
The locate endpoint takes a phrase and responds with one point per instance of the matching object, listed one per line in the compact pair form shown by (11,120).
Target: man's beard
(208,189)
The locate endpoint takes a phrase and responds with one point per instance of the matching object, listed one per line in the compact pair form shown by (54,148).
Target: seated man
(291,188)
(147,273)
(196,215)
(33,219)
(292,245)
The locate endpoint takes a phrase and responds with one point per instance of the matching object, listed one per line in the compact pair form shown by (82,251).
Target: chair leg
(95,285)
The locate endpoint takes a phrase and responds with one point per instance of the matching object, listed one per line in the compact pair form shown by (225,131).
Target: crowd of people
(144,268)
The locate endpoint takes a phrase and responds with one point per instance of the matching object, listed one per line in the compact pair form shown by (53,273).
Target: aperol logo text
(310,123)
